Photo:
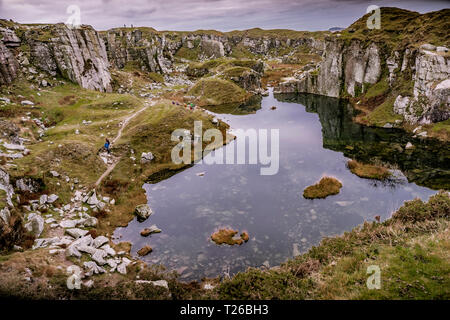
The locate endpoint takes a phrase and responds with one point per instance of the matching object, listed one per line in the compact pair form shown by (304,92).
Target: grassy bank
(411,249)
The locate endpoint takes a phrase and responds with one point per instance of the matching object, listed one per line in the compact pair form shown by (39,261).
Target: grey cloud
(205,14)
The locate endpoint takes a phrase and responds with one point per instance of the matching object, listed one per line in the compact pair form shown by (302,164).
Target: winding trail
(119,134)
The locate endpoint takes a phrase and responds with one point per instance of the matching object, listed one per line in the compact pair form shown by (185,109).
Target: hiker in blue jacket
(107,144)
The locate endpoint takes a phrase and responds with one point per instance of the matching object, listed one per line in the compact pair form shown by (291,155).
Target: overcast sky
(224,15)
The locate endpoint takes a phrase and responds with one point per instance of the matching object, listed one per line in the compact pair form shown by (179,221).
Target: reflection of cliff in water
(250,106)
(427,164)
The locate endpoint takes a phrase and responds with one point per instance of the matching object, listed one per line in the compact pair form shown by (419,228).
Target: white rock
(55,251)
(100,240)
(43,199)
(409,145)
(44,242)
(99,257)
(54,173)
(92,268)
(92,200)
(122,268)
(428,46)
(50,220)
(5,215)
(112,263)
(72,251)
(146,157)
(27,103)
(52,198)
(35,224)
(76,232)
(422,134)
(68,223)
(110,251)
(91,221)
(157,283)
(12,146)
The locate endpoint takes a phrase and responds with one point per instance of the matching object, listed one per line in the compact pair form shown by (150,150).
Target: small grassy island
(227,236)
(368,171)
(327,186)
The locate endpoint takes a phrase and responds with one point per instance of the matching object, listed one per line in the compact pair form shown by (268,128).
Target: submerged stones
(327,186)
(143,211)
(148,231)
(144,251)
(228,236)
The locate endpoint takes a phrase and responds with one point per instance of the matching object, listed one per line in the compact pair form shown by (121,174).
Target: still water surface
(317,137)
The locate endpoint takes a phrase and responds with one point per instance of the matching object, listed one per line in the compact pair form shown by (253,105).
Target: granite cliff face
(343,69)
(430,99)
(349,69)
(78,55)
(8,63)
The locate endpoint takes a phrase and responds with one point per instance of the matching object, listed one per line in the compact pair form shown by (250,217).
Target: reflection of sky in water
(188,208)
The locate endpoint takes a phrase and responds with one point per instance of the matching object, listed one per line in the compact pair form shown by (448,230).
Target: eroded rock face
(212,48)
(430,99)
(152,51)
(342,67)
(8,65)
(77,54)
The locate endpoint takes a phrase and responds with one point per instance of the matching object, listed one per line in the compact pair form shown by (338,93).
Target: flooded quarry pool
(317,137)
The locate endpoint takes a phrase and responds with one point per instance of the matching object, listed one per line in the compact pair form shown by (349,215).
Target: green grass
(442,126)
(235,72)
(383,114)
(401,27)
(378,89)
(213,91)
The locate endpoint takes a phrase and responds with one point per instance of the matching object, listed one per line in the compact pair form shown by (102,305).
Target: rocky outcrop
(349,68)
(343,69)
(8,63)
(153,52)
(77,54)
(430,99)
(212,48)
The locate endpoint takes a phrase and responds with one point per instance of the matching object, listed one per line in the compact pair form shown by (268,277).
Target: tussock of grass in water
(368,171)
(327,186)
(226,236)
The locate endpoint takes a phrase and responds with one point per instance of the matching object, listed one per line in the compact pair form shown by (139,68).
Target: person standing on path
(107,145)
